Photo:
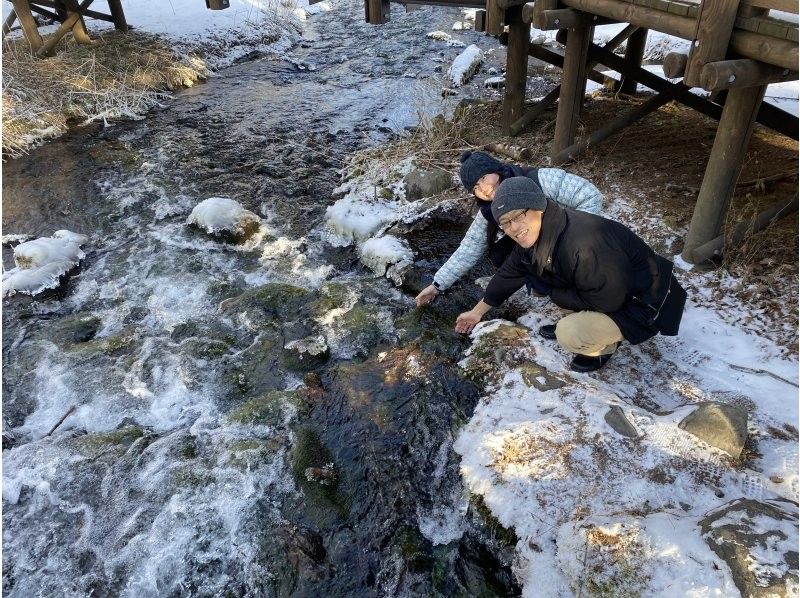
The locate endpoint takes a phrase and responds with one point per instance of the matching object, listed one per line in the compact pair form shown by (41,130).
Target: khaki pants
(588,333)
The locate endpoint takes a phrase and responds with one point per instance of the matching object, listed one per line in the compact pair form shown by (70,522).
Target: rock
(758,542)
(78,328)
(274,300)
(615,418)
(225,218)
(720,425)
(268,409)
(494,82)
(535,375)
(424,183)
(306,353)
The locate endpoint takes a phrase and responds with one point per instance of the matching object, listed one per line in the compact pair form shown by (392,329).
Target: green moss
(506,536)
(332,295)
(185,476)
(77,328)
(309,451)
(386,193)
(267,409)
(273,299)
(109,345)
(95,444)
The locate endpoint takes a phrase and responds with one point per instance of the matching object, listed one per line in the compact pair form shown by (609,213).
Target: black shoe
(585,363)
(548,331)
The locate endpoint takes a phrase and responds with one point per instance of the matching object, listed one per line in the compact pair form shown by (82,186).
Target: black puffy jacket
(597,264)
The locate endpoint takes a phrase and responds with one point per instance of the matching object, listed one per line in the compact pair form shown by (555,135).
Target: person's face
(523,226)
(485,187)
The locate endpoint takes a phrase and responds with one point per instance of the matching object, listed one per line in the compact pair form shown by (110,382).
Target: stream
(202,458)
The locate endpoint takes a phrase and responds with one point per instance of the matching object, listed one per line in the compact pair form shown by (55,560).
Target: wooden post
(534,112)
(378,11)
(519,35)
(480,21)
(728,74)
(120,24)
(494,18)
(29,27)
(712,35)
(719,182)
(675,65)
(573,87)
(634,53)
(68,24)
(614,126)
(741,230)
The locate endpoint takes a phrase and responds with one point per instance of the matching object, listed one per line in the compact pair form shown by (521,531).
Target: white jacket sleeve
(472,247)
(570,190)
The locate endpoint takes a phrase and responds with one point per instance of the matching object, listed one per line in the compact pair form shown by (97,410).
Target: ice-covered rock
(439,36)
(42,262)
(223,216)
(465,65)
(424,183)
(495,82)
(387,256)
(356,218)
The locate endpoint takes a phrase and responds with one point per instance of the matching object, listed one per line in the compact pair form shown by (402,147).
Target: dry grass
(119,76)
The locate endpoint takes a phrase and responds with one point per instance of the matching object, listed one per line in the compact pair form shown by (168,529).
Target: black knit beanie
(517,193)
(476,164)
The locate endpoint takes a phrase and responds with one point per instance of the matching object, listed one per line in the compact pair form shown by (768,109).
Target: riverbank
(171,45)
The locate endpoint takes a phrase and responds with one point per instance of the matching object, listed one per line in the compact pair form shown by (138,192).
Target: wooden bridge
(737,48)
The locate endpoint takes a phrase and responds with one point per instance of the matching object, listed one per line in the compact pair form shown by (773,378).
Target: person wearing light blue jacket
(482,174)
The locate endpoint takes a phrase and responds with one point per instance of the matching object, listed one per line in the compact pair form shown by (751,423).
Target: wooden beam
(783,5)
(118,15)
(44,12)
(558,60)
(573,87)
(729,74)
(615,126)
(378,12)
(494,18)
(634,53)
(743,229)
(504,4)
(62,13)
(68,24)
(79,31)
(28,24)
(519,37)
(675,65)
(712,35)
(780,52)
(727,154)
(562,18)
(12,16)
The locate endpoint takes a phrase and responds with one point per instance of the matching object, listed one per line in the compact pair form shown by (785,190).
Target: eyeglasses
(516,219)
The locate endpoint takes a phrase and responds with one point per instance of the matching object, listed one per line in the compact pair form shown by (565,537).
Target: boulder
(424,183)
(720,425)
(758,542)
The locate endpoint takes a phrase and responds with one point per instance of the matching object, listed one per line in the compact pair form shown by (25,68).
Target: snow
(357,219)
(42,262)
(547,464)
(465,65)
(222,214)
(379,253)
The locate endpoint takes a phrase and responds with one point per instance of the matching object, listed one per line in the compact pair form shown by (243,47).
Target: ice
(222,214)
(42,262)
(379,253)
(465,65)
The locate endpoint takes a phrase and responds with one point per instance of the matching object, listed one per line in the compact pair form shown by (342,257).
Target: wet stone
(535,375)
(78,328)
(758,542)
(424,183)
(306,354)
(274,300)
(615,417)
(268,409)
(720,425)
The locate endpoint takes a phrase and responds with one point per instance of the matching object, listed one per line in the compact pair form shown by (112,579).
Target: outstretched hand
(427,295)
(467,321)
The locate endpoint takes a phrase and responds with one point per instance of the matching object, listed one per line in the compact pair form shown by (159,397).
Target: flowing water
(202,458)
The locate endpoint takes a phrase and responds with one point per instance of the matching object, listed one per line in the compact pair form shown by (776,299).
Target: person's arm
(507,281)
(473,246)
(570,191)
(600,285)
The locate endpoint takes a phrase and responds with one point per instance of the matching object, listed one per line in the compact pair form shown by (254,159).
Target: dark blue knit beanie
(476,164)
(517,193)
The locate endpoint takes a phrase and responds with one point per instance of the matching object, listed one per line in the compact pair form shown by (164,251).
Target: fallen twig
(742,368)
(61,421)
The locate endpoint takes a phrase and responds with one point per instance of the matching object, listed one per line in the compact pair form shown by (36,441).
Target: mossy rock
(310,452)
(246,454)
(268,409)
(362,327)
(74,329)
(205,348)
(255,371)
(536,376)
(432,331)
(93,445)
(332,295)
(188,447)
(508,346)
(305,355)
(188,476)
(274,300)
(506,536)
(414,548)
(113,345)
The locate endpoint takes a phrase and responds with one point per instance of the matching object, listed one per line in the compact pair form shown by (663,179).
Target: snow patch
(223,215)
(465,65)
(42,262)
(379,253)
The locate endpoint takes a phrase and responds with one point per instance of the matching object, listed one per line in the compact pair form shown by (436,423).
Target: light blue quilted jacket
(567,190)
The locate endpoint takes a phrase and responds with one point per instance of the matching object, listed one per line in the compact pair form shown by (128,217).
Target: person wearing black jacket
(617,287)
